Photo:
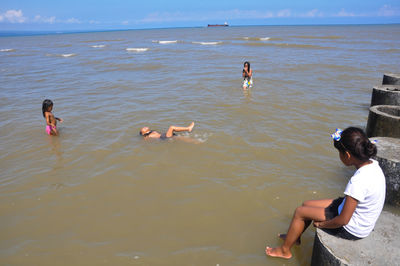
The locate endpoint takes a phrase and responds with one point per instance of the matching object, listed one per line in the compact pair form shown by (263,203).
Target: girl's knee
(302,212)
(298,211)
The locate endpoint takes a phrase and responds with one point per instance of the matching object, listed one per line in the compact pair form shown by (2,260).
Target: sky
(36,15)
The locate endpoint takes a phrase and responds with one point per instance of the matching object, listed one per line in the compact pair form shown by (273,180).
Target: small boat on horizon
(218,25)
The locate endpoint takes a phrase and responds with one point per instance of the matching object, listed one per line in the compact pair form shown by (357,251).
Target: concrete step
(381,247)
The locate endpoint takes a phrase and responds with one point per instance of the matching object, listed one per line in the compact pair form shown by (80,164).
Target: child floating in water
(247,74)
(352,217)
(51,120)
(148,133)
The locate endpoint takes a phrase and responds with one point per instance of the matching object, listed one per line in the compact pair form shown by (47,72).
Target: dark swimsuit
(164,136)
(331,212)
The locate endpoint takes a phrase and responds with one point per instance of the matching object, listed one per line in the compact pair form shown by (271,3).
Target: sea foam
(257,38)
(137,49)
(67,55)
(61,55)
(98,46)
(207,43)
(166,42)
(7,50)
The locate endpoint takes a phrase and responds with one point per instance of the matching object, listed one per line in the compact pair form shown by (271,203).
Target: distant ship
(218,25)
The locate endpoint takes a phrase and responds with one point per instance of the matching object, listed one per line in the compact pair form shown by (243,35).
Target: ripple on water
(252,147)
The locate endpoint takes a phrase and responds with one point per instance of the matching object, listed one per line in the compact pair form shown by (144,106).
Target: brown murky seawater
(99,194)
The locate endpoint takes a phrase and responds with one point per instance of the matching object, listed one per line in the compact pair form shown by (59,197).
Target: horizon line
(71,31)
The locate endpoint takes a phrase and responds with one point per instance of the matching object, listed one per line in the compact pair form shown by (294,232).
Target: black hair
(247,63)
(145,134)
(355,141)
(45,106)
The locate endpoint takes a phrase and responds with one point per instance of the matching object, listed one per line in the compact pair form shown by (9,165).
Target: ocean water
(101,195)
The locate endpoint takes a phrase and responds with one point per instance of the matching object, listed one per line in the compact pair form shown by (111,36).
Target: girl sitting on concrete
(352,217)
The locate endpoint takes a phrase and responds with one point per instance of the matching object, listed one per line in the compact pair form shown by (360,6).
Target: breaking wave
(100,41)
(61,55)
(257,38)
(207,43)
(68,55)
(165,42)
(138,50)
(332,37)
(7,50)
(287,45)
(260,39)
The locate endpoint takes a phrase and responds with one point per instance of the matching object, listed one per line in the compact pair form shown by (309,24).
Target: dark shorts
(331,212)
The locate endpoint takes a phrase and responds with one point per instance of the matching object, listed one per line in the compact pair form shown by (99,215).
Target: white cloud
(233,14)
(246,14)
(73,21)
(268,14)
(13,16)
(285,13)
(384,11)
(41,19)
(164,17)
(52,20)
(312,14)
(228,15)
(125,22)
(344,13)
(217,15)
(388,11)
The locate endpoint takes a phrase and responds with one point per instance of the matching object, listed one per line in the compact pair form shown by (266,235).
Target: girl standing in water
(352,217)
(51,120)
(247,74)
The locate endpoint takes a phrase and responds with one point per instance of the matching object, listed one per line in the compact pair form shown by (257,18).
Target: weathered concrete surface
(381,247)
(388,157)
(386,95)
(391,79)
(384,121)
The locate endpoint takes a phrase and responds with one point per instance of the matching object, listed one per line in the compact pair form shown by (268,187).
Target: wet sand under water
(100,194)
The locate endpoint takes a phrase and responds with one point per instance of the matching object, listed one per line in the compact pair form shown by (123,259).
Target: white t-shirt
(368,187)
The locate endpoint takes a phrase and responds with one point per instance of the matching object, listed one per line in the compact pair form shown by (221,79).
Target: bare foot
(278,252)
(191,127)
(283,237)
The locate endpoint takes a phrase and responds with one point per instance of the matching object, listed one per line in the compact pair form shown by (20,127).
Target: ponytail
(355,141)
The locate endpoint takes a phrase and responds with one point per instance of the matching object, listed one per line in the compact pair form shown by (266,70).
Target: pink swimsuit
(49,128)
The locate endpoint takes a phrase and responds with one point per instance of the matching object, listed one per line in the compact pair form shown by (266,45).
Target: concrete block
(391,79)
(386,95)
(384,121)
(388,157)
(381,247)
